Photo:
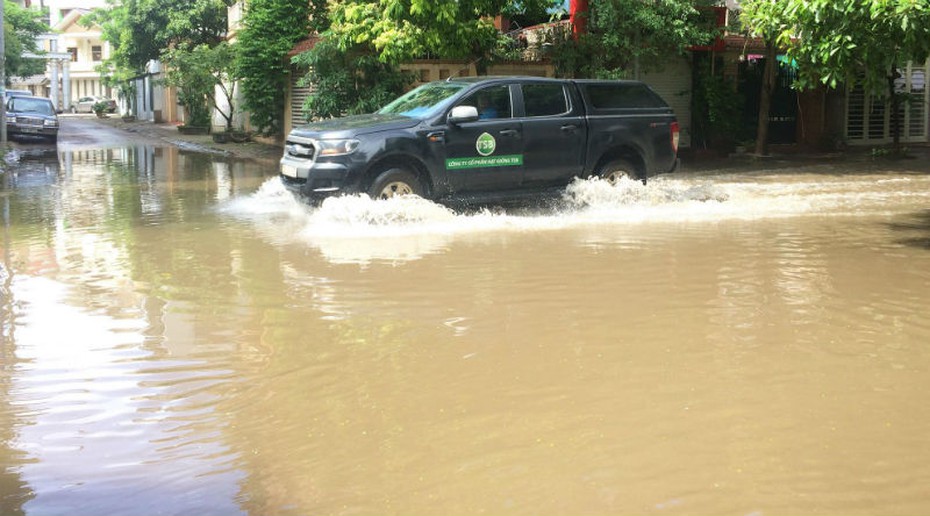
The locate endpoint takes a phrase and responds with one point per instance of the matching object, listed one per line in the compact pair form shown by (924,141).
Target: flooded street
(179,336)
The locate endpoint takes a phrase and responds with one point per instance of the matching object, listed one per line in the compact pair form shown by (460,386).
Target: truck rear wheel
(395,182)
(617,170)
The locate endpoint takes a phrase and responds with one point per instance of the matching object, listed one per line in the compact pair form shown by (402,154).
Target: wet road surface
(181,336)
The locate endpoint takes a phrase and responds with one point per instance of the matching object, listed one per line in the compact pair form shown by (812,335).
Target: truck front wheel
(394,182)
(617,170)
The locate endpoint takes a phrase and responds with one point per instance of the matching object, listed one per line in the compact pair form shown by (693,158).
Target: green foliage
(101,107)
(21,26)
(348,83)
(717,109)
(197,73)
(863,41)
(867,39)
(399,30)
(196,22)
(140,30)
(114,24)
(186,70)
(355,68)
(270,29)
(625,35)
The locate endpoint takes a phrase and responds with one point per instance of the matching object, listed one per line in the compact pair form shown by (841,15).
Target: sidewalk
(916,158)
(692,160)
(255,149)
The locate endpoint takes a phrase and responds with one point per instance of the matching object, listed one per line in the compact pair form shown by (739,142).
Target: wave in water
(411,227)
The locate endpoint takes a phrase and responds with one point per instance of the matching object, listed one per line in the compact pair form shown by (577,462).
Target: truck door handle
(436,136)
(569,128)
(509,132)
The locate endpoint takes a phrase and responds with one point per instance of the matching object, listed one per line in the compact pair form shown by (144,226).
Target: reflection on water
(181,336)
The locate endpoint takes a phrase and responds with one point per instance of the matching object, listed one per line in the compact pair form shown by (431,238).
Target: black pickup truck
(482,137)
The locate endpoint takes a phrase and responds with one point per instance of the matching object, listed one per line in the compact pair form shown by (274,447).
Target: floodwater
(181,337)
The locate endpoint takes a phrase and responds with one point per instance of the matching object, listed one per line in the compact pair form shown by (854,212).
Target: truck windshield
(423,101)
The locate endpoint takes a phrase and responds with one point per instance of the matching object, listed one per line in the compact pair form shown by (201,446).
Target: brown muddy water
(181,337)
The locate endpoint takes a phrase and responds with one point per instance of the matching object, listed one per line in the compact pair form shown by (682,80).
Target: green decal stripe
(512,160)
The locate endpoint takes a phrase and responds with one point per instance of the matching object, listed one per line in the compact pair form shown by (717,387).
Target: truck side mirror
(463,114)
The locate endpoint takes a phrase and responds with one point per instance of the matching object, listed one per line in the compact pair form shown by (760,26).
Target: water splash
(359,229)
(358,215)
(360,212)
(627,192)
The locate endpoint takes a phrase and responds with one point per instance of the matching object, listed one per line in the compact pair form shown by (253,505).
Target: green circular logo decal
(486,144)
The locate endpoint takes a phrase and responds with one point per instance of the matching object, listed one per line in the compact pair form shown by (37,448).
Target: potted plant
(100,109)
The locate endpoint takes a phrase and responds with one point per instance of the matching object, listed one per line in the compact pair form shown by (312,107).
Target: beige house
(72,52)
(86,50)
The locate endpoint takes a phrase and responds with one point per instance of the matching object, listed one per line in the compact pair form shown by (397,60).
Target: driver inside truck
(486,110)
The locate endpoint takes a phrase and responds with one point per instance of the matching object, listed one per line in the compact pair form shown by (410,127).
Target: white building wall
(149,100)
(673,83)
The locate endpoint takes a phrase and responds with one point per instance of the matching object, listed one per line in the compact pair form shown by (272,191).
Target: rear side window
(623,96)
(544,99)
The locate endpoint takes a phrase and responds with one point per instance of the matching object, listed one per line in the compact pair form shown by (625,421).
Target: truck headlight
(51,123)
(336,147)
(11,119)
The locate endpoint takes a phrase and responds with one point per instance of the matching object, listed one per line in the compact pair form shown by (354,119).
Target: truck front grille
(299,150)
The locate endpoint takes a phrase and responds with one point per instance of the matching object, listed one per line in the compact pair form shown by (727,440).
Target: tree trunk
(895,109)
(765,98)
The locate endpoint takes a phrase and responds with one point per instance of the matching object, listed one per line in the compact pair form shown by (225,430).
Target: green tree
(200,72)
(270,28)
(140,30)
(118,68)
(355,68)
(345,83)
(861,41)
(624,37)
(716,108)
(398,30)
(765,19)
(20,28)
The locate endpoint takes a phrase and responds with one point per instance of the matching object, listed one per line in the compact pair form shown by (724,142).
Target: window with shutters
(868,117)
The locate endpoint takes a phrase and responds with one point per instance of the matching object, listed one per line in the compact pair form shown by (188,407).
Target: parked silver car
(86,104)
(17,93)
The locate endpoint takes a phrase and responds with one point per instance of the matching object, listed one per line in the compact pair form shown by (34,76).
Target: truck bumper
(316,179)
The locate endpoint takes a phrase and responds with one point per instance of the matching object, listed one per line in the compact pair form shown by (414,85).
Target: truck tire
(395,182)
(617,170)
